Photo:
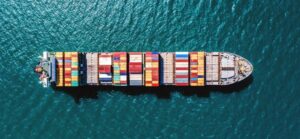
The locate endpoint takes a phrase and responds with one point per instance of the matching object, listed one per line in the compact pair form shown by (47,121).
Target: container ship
(148,69)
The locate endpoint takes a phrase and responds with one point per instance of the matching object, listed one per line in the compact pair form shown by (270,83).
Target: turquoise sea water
(266,32)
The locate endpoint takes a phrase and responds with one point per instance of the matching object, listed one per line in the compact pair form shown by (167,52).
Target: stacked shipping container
(74,69)
(135,68)
(151,69)
(167,68)
(227,66)
(181,68)
(92,68)
(120,68)
(67,68)
(82,69)
(105,72)
(196,68)
(212,68)
(59,69)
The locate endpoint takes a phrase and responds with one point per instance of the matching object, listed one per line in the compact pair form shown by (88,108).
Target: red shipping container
(181,60)
(181,76)
(181,68)
(154,84)
(181,84)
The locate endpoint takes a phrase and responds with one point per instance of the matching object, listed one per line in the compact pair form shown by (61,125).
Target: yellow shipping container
(148,72)
(67,79)
(193,84)
(201,73)
(155,63)
(193,57)
(148,78)
(201,84)
(201,53)
(194,66)
(59,54)
(200,81)
(74,78)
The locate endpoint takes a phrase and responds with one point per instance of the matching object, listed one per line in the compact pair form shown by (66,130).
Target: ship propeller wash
(149,69)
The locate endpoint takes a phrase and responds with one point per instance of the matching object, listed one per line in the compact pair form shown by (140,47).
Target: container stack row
(67,68)
(120,68)
(82,69)
(92,69)
(227,66)
(74,70)
(105,68)
(59,69)
(151,69)
(135,68)
(181,68)
(197,69)
(142,69)
(167,68)
(212,68)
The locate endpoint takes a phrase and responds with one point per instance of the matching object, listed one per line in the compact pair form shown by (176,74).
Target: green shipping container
(74,83)
(74,73)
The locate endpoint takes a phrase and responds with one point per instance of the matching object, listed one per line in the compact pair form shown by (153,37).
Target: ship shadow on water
(163,92)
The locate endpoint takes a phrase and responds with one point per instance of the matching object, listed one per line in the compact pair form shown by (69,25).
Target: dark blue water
(266,32)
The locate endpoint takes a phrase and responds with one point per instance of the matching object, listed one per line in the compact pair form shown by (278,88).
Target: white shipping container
(168,67)
(104,76)
(181,71)
(148,65)
(135,76)
(182,53)
(105,61)
(123,77)
(181,65)
(135,58)
(92,68)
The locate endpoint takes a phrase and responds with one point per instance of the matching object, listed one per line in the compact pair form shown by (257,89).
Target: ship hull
(144,69)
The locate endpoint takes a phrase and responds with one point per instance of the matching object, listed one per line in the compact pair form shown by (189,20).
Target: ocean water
(266,32)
